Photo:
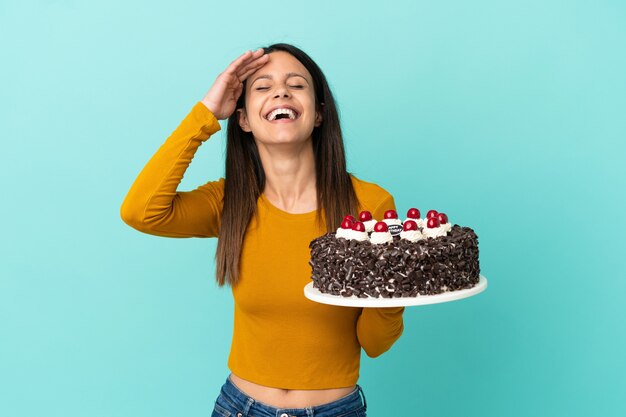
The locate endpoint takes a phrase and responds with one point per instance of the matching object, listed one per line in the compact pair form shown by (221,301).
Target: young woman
(285,184)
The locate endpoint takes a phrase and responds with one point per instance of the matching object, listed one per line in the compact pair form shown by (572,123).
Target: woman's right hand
(221,99)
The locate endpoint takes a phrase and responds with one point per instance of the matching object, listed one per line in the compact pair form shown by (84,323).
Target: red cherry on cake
(391,214)
(409,225)
(431,214)
(381,227)
(443,219)
(349,217)
(365,216)
(413,213)
(346,224)
(359,227)
(433,222)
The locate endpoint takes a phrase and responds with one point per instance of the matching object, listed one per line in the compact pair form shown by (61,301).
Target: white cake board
(314,294)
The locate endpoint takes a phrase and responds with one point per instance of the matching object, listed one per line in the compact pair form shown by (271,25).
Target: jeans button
(239,414)
(284,415)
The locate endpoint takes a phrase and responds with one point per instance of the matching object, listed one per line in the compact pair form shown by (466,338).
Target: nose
(281,91)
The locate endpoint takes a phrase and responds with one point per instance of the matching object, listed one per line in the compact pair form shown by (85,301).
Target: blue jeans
(232,402)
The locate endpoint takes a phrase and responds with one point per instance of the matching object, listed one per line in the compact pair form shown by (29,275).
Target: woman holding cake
(285,184)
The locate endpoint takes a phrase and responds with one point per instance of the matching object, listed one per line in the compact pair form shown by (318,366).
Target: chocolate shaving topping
(398,269)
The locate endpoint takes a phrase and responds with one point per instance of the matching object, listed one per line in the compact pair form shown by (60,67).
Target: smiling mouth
(282,115)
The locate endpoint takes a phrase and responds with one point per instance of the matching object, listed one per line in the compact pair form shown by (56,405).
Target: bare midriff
(289,398)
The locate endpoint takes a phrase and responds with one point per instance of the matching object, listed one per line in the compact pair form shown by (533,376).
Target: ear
(318,118)
(243,120)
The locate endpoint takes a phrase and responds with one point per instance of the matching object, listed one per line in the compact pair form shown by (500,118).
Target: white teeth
(274,113)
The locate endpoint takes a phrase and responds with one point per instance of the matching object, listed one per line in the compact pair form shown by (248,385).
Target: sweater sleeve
(379,328)
(154,206)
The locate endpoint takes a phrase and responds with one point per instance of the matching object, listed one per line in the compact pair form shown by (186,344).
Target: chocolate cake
(395,259)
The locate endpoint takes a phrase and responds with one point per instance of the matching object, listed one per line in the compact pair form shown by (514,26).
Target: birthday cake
(393,258)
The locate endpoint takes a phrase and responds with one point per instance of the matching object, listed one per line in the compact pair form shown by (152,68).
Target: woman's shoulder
(369,193)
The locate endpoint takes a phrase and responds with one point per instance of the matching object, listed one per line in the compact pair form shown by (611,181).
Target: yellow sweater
(280,338)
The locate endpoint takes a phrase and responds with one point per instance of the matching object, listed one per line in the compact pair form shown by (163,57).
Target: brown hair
(245,177)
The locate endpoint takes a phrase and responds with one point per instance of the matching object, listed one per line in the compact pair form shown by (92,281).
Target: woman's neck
(290,176)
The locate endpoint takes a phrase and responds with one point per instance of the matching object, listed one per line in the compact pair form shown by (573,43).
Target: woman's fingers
(232,68)
(238,91)
(252,67)
(228,86)
(244,59)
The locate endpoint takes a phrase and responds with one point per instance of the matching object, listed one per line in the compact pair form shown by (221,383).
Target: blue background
(508,115)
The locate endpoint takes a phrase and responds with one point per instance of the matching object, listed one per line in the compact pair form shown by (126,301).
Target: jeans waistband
(356,397)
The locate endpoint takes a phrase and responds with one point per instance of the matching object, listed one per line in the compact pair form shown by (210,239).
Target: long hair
(244,180)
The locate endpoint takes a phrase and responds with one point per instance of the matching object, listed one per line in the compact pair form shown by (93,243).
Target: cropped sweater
(280,338)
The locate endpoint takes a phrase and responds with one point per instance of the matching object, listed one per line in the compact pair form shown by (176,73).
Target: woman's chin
(283,138)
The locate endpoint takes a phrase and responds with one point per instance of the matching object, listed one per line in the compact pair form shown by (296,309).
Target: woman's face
(283,82)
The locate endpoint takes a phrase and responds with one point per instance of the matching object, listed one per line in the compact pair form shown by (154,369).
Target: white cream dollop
(447,227)
(389,222)
(369,225)
(411,235)
(379,238)
(341,232)
(421,223)
(356,235)
(435,231)
(351,234)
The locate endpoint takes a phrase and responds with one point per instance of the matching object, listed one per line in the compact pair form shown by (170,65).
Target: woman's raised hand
(222,97)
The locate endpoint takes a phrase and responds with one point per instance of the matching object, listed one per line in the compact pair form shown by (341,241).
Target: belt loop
(362,395)
(247,406)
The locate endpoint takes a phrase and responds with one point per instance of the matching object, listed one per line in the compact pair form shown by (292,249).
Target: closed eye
(292,86)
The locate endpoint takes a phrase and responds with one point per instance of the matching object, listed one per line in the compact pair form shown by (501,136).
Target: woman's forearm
(153,204)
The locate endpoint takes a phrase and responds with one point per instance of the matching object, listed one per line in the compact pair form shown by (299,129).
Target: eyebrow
(269,77)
